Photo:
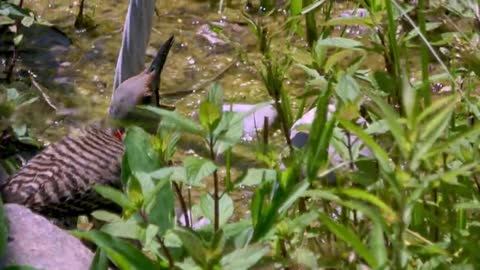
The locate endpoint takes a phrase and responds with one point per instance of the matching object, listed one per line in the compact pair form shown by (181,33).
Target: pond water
(76,68)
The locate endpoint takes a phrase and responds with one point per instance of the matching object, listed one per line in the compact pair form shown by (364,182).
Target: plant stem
(216,199)
(171,263)
(178,190)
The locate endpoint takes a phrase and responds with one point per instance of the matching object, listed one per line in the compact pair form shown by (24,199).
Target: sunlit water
(76,69)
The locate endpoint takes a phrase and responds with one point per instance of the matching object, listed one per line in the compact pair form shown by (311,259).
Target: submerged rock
(34,241)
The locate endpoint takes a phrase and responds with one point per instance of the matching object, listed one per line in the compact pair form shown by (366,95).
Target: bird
(59,180)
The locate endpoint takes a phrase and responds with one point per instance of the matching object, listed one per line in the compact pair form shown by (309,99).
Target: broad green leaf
(244,258)
(209,115)
(349,237)
(194,245)
(100,261)
(215,94)
(106,216)
(347,88)
(140,153)
(225,205)
(229,131)
(129,229)
(122,254)
(313,73)
(160,206)
(385,82)
(255,177)
(134,191)
(115,196)
(28,21)
(339,42)
(177,120)
(197,169)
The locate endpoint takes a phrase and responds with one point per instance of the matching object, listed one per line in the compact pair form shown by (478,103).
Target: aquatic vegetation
(406,89)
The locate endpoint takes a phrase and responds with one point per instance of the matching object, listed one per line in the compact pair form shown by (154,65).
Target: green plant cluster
(412,204)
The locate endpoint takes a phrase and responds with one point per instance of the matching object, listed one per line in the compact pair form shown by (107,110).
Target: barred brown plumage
(60,178)
(58,182)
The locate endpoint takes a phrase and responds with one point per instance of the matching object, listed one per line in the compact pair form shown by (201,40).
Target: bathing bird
(59,180)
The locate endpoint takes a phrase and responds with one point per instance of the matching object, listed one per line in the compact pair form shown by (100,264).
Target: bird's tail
(157,66)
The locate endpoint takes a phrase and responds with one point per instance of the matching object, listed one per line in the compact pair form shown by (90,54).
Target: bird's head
(141,89)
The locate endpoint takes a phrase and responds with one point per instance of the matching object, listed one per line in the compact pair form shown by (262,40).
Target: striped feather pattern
(59,180)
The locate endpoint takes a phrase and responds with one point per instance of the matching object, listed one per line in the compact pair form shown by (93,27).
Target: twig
(44,95)
(178,190)
(202,84)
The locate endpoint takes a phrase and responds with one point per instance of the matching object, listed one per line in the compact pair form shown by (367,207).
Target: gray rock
(299,137)
(35,241)
(255,120)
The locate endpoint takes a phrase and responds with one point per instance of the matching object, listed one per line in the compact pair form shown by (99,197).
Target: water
(76,68)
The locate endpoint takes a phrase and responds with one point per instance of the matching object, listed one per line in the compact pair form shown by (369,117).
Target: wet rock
(299,136)
(255,120)
(34,241)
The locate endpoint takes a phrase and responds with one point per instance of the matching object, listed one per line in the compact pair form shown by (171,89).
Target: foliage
(411,202)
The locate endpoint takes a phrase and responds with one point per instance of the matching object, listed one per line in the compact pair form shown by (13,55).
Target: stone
(35,241)
(255,119)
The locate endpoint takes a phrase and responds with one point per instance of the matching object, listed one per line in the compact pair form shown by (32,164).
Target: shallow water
(76,69)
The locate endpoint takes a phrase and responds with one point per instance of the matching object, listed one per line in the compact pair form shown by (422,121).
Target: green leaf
(100,261)
(139,150)
(106,216)
(160,206)
(209,115)
(28,21)
(122,254)
(364,195)
(225,205)
(385,82)
(197,169)
(194,245)
(115,196)
(347,88)
(129,229)
(175,119)
(17,39)
(378,245)
(293,196)
(244,258)
(380,154)
(229,131)
(215,94)
(397,130)
(339,42)
(349,237)
(134,191)
(350,20)
(255,177)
